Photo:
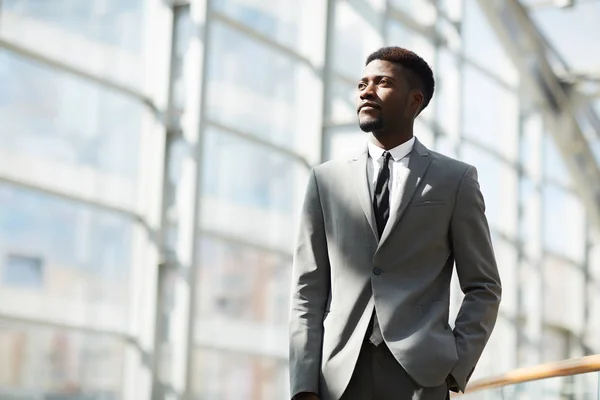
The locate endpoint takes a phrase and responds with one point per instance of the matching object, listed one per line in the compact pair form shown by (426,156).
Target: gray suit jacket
(342,272)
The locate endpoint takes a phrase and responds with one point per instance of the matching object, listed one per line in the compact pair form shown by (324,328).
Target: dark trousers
(379,376)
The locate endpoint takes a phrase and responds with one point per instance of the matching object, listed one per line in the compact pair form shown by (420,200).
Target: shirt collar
(397,153)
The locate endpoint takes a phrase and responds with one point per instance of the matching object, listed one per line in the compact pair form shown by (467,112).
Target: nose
(367,92)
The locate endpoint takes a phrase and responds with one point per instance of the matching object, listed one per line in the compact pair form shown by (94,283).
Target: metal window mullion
(17,320)
(71,70)
(521,258)
(588,277)
(492,151)
(476,65)
(366,12)
(240,352)
(328,76)
(409,22)
(551,181)
(257,140)
(204,8)
(102,206)
(138,372)
(244,242)
(387,10)
(437,45)
(264,39)
(175,275)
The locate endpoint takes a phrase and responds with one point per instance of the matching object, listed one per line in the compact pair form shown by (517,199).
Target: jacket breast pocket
(432,216)
(427,203)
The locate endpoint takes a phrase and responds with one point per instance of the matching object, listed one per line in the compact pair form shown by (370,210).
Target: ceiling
(573,30)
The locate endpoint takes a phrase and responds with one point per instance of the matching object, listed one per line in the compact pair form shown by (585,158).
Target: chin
(370,124)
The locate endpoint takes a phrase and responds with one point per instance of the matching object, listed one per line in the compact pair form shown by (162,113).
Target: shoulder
(333,168)
(456,168)
(330,166)
(333,175)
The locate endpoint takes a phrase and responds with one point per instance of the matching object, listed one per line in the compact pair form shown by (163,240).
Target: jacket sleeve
(310,292)
(478,276)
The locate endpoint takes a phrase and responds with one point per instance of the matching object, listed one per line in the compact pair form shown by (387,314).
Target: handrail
(574,366)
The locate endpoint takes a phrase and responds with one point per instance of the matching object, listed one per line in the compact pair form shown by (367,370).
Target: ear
(416,101)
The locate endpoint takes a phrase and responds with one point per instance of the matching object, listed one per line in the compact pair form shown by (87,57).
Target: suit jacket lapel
(420,159)
(361,184)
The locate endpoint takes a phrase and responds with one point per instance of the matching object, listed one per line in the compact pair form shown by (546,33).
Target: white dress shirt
(400,156)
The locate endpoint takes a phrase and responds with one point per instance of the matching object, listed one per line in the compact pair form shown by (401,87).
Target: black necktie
(381,206)
(381,197)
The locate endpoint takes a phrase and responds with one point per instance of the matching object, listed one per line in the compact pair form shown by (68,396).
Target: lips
(369,105)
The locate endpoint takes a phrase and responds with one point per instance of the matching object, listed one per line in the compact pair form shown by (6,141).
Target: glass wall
(87,115)
(71,208)
(263,112)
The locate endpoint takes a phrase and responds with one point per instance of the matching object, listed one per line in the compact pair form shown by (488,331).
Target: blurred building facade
(153,157)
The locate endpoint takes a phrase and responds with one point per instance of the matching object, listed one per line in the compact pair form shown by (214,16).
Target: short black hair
(420,75)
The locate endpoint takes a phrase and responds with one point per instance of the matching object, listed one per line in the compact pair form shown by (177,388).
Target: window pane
(594,254)
(38,119)
(506,258)
(499,355)
(446,146)
(242,283)
(554,166)
(422,10)
(59,364)
(262,97)
(449,34)
(531,145)
(424,133)
(495,126)
(247,187)
(453,8)
(297,24)
(355,39)
(85,254)
(447,94)
(483,46)
(228,376)
(377,5)
(23,271)
(530,222)
(99,36)
(555,345)
(531,292)
(564,28)
(564,294)
(592,338)
(564,219)
(343,103)
(498,182)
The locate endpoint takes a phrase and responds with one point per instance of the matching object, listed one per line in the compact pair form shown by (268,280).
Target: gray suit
(342,272)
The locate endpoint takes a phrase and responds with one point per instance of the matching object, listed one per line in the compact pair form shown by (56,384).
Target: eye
(361,85)
(384,81)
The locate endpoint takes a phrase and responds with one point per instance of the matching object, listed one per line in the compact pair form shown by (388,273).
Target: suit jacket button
(377,271)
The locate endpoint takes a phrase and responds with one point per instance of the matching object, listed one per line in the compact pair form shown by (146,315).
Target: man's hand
(306,396)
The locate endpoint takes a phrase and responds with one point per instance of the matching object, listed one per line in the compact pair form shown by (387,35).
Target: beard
(371,125)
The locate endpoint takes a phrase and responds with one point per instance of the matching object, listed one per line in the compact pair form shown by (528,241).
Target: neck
(387,140)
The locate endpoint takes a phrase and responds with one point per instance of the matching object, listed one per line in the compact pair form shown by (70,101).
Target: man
(379,237)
